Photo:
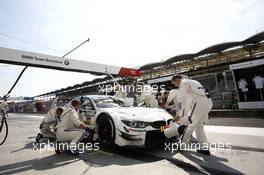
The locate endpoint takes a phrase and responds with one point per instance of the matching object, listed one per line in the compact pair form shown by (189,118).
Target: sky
(122,33)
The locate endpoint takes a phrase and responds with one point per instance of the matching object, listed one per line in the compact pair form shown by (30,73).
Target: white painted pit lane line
(25,116)
(251,131)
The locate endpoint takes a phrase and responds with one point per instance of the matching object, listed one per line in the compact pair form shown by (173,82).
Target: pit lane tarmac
(157,153)
(17,156)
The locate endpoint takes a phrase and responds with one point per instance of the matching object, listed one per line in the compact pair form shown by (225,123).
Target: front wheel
(3,128)
(106,130)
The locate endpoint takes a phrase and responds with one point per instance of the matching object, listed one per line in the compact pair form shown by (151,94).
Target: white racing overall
(148,98)
(196,107)
(48,124)
(174,96)
(68,128)
(121,94)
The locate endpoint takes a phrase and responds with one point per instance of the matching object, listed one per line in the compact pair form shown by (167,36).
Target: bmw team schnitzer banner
(18,57)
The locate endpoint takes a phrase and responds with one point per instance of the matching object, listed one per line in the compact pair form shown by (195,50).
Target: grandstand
(210,66)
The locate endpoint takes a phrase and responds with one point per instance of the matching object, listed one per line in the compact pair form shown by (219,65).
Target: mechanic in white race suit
(173,97)
(147,96)
(178,106)
(70,128)
(194,96)
(49,122)
(119,92)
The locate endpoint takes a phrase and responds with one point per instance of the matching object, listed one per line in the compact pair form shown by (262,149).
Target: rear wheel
(106,130)
(3,128)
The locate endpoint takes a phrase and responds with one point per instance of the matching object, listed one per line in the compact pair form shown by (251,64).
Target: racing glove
(89,130)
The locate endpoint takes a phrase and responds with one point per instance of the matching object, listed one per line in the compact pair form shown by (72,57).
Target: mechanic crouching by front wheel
(70,128)
(194,98)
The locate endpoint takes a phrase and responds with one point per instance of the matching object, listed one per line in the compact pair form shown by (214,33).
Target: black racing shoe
(72,152)
(204,151)
(39,136)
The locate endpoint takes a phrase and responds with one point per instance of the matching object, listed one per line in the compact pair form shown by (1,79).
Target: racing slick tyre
(106,130)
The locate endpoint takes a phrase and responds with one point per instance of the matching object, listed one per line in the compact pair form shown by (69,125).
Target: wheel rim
(105,130)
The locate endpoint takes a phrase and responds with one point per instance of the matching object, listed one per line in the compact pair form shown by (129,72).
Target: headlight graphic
(135,124)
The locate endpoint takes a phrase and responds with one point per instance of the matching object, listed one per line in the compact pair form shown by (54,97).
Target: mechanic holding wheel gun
(197,104)
(70,128)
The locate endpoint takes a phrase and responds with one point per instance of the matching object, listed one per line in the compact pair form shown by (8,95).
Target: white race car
(123,126)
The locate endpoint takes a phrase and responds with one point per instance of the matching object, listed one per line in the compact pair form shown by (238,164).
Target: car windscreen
(105,102)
